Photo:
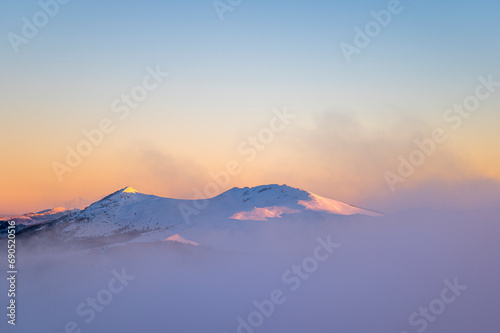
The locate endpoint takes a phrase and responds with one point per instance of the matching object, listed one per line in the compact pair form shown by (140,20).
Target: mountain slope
(29,220)
(128,215)
(275,200)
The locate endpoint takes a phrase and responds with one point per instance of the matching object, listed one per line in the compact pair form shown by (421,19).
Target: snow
(318,203)
(177,238)
(44,216)
(261,214)
(150,218)
(129,190)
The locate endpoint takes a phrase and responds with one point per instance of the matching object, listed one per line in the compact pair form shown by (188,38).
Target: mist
(341,274)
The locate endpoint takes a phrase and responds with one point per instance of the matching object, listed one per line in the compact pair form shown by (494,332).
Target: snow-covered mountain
(130,216)
(33,219)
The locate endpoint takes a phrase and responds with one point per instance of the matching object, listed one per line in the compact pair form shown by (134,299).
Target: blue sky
(290,47)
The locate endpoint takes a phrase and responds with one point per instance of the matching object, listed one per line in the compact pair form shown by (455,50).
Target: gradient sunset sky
(352,120)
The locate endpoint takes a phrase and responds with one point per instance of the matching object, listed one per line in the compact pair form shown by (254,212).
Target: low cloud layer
(398,273)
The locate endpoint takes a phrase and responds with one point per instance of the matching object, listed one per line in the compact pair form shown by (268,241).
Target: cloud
(78,202)
(438,193)
(150,169)
(348,153)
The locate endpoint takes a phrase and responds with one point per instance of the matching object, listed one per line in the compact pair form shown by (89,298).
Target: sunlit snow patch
(129,190)
(179,239)
(321,204)
(261,214)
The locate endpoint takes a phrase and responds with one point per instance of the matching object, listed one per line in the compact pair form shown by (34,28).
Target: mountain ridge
(134,216)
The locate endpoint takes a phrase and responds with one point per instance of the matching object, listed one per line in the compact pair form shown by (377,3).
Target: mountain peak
(128,189)
(272,188)
(274,200)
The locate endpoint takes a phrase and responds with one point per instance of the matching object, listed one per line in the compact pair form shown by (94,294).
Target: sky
(331,121)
